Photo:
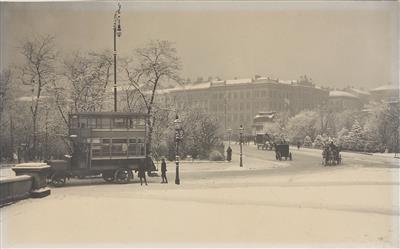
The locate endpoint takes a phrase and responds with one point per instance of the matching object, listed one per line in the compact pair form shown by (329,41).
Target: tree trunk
(11,136)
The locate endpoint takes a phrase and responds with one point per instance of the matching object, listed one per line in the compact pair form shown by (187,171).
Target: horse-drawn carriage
(263,141)
(331,156)
(282,150)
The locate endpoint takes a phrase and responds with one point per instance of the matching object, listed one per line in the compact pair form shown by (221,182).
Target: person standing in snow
(142,174)
(164,171)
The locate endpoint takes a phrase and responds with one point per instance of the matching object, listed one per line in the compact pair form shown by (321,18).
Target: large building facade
(387,93)
(236,102)
(341,100)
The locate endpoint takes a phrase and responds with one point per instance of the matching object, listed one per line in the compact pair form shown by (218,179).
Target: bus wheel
(108,176)
(57,180)
(123,175)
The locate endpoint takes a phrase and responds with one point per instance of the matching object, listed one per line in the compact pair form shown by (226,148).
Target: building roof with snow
(359,91)
(238,81)
(385,88)
(337,94)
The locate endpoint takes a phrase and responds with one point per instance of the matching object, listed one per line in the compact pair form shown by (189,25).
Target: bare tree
(5,79)
(5,99)
(89,76)
(155,63)
(38,71)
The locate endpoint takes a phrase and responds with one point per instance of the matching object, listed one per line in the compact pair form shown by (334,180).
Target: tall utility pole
(117,31)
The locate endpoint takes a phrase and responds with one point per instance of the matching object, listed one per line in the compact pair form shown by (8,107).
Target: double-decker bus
(110,144)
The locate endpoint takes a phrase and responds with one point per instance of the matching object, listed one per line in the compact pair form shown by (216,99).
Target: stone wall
(15,188)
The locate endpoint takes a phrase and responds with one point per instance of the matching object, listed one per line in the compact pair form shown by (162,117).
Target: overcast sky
(335,43)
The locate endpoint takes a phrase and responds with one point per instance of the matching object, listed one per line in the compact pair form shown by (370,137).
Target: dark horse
(331,156)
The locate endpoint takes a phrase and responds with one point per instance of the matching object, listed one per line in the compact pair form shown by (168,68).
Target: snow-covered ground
(342,206)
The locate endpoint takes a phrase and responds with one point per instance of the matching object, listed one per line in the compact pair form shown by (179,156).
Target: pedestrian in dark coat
(164,171)
(229,154)
(142,174)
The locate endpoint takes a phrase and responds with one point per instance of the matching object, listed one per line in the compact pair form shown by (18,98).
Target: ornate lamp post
(117,31)
(178,138)
(240,143)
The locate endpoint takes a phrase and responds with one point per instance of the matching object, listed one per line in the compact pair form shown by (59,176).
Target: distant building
(341,100)
(236,102)
(364,96)
(387,93)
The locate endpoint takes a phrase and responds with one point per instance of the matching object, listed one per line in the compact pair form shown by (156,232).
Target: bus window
(141,122)
(91,122)
(119,141)
(119,123)
(131,123)
(105,123)
(105,147)
(74,122)
(119,147)
(82,122)
(132,150)
(141,149)
(96,147)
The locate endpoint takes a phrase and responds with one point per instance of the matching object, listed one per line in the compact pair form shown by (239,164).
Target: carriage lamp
(241,144)
(178,138)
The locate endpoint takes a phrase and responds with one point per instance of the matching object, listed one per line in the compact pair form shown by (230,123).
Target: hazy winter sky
(335,43)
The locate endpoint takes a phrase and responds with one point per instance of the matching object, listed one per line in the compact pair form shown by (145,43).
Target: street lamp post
(117,31)
(240,143)
(178,138)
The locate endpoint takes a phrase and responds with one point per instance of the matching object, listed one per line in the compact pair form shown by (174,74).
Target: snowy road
(265,203)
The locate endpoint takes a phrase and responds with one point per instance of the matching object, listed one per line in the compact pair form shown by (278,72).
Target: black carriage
(108,144)
(282,151)
(331,156)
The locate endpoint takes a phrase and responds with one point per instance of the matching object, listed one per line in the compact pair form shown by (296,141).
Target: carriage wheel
(58,180)
(123,175)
